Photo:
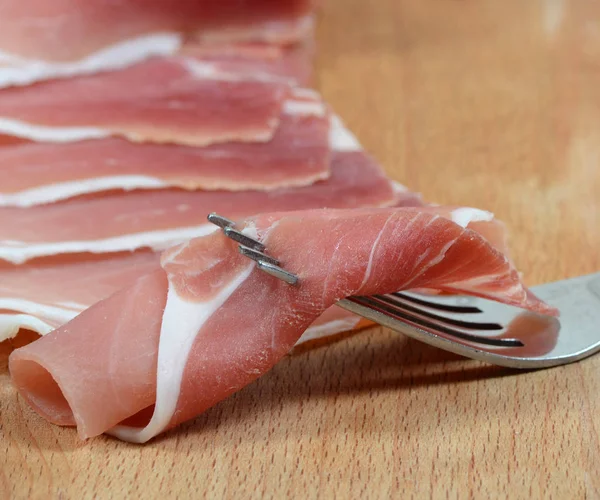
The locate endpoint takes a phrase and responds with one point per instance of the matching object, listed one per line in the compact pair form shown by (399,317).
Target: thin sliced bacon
(68,37)
(158,219)
(163,100)
(297,155)
(183,338)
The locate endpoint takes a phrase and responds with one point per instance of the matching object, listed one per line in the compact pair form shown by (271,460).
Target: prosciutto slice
(41,40)
(297,155)
(209,322)
(158,219)
(164,100)
(55,290)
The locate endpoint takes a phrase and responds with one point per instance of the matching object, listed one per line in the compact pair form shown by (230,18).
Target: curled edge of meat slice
(185,337)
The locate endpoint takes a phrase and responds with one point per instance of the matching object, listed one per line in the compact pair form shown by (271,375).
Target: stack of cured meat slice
(133,160)
(41,40)
(124,125)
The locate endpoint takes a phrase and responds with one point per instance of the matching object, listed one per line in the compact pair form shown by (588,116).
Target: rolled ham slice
(209,322)
(297,155)
(163,100)
(41,40)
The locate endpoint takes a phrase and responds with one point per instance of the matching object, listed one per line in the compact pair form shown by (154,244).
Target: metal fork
(475,328)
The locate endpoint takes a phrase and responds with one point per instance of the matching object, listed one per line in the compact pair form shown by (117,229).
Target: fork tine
(406,316)
(253,249)
(437,305)
(276,271)
(257,256)
(219,220)
(228,227)
(470,325)
(235,235)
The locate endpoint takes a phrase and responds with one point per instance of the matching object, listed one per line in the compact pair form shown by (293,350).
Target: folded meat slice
(158,219)
(165,100)
(297,155)
(46,293)
(183,338)
(41,40)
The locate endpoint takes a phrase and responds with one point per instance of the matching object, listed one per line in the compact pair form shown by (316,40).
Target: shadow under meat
(376,361)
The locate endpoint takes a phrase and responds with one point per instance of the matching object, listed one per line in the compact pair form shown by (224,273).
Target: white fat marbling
(182,321)
(53,313)
(10,324)
(19,252)
(340,138)
(304,93)
(17,128)
(203,70)
(17,70)
(399,188)
(208,70)
(464,216)
(304,108)
(65,190)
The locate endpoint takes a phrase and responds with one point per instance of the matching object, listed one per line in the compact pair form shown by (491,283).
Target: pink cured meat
(55,290)
(162,100)
(293,63)
(68,30)
(297,155)
(47,293)
(192,334)
(161,218)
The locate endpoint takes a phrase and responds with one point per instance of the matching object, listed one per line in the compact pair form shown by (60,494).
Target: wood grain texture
(489,103)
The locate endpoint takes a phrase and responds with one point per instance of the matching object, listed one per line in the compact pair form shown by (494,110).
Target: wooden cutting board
(494,104)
